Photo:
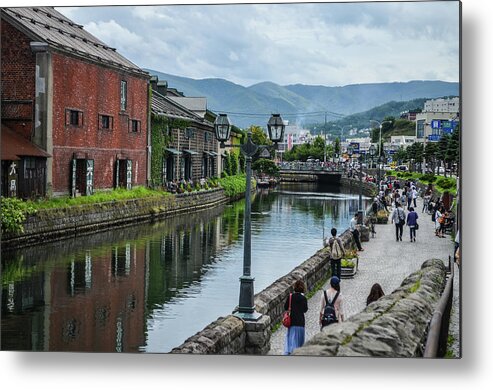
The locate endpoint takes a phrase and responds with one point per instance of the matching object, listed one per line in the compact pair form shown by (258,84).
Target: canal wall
(53,224)
(396,325)
(230,335)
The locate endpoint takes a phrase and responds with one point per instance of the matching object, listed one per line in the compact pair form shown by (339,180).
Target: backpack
(402,220)
(336,250)
(329,316)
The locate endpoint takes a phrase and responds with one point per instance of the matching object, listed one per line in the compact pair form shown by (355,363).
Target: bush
(428,178)
(14,213)
(233,185)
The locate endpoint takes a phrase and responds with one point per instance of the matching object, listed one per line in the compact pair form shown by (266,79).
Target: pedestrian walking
(337,252)
(439,221)
(295,336)
(403,198)
(412,222)
(426,201)
(409,194)
(414,193)
(334,297)
(376,293)
(398,217)
(355,232)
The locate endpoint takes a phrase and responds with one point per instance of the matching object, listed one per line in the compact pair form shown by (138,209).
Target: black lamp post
(222,126)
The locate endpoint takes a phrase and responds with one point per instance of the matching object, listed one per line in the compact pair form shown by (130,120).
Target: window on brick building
(123,95)
(135,126)
(73,118)
(105,122)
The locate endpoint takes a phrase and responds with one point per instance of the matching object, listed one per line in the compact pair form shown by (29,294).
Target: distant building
(409,115)
(396,141)
(77,100)
(442,105)
(294,135)
(440,116)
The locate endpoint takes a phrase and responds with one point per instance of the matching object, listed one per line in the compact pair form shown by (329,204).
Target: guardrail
(436,342)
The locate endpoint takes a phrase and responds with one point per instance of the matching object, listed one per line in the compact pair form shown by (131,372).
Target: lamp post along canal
(275,127)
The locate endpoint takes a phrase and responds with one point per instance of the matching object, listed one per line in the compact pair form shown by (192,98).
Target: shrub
(428,178)
(14,213)
(233,185)
(347,263)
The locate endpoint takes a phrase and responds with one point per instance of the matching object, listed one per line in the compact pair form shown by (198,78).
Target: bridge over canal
(310,172)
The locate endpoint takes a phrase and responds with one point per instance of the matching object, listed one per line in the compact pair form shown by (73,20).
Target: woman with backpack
(331,305)
(298,305)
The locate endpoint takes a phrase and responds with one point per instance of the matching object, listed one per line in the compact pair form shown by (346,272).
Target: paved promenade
(384,261)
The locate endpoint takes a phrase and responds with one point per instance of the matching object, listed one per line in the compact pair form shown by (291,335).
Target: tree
(452,154)
(430,151)
(400,155)
(415,152)
(265,166)
(337,146)
(442,149)
(258,136)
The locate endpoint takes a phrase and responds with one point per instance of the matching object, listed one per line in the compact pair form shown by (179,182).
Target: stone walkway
(388,262)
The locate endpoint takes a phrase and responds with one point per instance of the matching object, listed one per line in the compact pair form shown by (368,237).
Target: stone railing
(394,326)
(52,224)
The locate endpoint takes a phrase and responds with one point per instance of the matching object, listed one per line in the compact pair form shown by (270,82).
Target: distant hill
(300,103)
(361,120)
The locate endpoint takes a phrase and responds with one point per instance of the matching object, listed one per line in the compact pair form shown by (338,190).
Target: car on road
(402,168)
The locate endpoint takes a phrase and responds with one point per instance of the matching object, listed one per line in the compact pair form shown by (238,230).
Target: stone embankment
(394,326)
(53,224)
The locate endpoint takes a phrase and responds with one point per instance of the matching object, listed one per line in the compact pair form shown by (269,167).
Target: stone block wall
(230,336)
(394,326)
(52,224)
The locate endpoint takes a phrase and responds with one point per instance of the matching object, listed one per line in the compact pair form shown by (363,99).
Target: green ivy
(159,141)
(14,213)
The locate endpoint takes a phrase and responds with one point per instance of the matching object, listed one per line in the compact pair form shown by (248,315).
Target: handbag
(286,317)
(416,227)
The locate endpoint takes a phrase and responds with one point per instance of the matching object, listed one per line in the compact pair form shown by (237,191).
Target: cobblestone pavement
(388,262)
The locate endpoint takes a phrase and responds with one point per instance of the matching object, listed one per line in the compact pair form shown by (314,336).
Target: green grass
(99,197)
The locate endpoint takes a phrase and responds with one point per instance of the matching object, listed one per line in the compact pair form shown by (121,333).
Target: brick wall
(18,79)
(94,90)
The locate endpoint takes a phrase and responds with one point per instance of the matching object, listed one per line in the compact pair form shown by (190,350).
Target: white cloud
(327,43)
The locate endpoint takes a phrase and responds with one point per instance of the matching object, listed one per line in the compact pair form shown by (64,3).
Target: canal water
(147,288)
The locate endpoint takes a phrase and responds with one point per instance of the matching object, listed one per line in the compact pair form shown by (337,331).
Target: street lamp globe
(276,126)
(222,128)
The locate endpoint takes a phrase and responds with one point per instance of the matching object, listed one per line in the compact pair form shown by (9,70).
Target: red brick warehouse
(90,105)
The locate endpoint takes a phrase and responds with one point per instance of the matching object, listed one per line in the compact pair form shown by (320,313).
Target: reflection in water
(149,287)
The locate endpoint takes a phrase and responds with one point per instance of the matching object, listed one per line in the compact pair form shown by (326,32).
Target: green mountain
(304,104)
(361,120)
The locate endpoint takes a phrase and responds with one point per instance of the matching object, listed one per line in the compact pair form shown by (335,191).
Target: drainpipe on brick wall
(148,146)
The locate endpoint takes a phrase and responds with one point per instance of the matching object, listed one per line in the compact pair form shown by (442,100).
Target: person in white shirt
(398,217)
(355,231)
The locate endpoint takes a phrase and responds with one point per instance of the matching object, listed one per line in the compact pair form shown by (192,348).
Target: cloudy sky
(330,44)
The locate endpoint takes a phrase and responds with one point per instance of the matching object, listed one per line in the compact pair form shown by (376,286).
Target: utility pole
(325,139)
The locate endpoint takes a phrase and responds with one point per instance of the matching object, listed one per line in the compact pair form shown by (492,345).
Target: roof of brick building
(45,24)
(163,105)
